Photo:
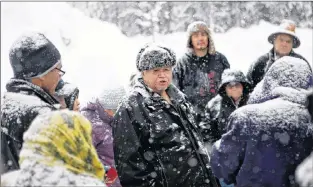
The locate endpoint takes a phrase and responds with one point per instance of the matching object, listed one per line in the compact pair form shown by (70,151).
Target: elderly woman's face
(158,79)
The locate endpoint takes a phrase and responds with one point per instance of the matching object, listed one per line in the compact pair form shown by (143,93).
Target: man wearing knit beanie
(156,139)
(36,65)
(198,72)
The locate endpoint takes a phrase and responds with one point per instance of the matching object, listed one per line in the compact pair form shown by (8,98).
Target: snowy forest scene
(157,94)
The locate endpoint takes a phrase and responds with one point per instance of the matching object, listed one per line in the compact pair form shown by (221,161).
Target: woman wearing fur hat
(198,72)
(68,95)
(284,39)
(156,139)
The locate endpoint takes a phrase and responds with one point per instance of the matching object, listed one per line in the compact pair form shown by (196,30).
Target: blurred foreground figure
(58,151)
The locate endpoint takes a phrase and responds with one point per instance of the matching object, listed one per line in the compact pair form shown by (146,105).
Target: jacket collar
(19,85)
(151,97)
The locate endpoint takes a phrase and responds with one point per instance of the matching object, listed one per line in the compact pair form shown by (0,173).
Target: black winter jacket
(221,106)
(157,143)
(22,102)
(259,67)
(199,77)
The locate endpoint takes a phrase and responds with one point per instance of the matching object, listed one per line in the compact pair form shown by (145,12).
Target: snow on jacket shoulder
(261,147)
(22,102)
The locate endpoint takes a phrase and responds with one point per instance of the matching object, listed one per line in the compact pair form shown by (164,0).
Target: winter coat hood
(287,73)
(230,75)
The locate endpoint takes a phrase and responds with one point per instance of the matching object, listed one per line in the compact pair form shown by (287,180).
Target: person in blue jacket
(268,138)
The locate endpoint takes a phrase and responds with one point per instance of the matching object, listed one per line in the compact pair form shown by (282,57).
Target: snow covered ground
(99,55)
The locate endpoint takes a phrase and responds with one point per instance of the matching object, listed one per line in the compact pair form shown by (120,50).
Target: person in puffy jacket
(100,111)
(233,93)
(269,137)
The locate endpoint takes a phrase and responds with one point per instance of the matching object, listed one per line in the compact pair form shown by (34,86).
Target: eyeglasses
(61,72)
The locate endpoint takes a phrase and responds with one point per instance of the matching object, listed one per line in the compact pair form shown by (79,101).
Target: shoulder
(294,54)
(222,58)
(21,104)
(215,101)
(262,60)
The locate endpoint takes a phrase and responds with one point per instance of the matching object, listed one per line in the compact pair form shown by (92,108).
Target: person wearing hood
(37,69)
(269,137)
(58,151)
(100,112)
(68,95)
(233,93)
(198,72)
(156,139)
(284,39)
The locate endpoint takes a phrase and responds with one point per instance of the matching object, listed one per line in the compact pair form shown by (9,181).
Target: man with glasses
(36,65)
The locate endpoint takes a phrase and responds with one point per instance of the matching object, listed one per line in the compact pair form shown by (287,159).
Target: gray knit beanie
(110,98)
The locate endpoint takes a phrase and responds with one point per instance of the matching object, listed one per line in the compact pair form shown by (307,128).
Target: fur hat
(153,56)
(33,55)
(196,27)
(286,27)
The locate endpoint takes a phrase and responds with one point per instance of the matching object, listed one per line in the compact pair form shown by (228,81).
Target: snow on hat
(286,27)
(110,98)
(196,27)
(33,55)
(68,91)
(153,56)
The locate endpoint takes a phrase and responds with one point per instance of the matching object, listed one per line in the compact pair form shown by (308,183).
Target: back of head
(33,55)
(62,138)
(111,97)
(286,72)
(289,72)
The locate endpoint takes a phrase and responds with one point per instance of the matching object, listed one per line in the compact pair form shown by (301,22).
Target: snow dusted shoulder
(285,72)
(264,136)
